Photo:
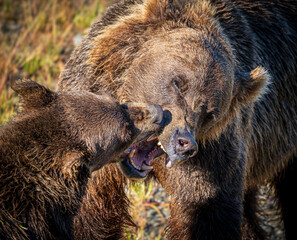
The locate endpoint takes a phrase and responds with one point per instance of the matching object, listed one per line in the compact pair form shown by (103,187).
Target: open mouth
(138,159)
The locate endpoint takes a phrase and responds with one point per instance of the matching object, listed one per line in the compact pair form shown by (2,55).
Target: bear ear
(249,87)
(33,94)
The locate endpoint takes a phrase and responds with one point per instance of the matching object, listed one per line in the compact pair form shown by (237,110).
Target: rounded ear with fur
(33,94)
(248,87)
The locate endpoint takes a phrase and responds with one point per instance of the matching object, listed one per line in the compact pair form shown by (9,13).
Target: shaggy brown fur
(105,218)
(207,62)
(49,151)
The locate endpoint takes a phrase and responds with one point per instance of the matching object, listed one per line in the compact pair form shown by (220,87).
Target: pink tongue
(141,156)
(138,158)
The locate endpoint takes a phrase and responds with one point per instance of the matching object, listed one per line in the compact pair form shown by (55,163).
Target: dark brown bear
(49,151)
(208,63)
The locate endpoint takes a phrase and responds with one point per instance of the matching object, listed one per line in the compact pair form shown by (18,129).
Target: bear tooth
(134,165)
(127,150)
(146,167)
(152,138)
(160,144)
(131,154)
(169,164)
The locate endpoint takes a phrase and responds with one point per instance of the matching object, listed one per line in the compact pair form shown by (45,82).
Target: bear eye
(209,116)
(180,84)
(212,115)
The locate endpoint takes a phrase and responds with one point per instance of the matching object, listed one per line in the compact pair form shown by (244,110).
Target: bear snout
(182,146)
(185,144)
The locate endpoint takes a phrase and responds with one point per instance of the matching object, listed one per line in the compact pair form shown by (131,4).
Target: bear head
(95,128)
(175,53)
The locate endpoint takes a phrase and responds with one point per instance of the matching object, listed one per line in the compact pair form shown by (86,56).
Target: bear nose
(185,144)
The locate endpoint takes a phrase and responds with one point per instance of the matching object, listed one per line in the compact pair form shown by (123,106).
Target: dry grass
(36,39)
(150,210)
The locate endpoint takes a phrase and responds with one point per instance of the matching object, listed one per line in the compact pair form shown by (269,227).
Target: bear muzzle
(182,146)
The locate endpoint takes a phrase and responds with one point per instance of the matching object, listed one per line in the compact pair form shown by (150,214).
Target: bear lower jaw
(138,159)
(130,172)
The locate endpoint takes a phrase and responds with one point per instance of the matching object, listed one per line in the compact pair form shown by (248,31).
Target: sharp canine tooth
(151,138)
(131,154)
(169,164)
(134,165)
(160,144)
(146,167)
(127,150)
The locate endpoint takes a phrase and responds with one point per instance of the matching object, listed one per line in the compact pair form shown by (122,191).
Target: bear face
(202,90)
(107,128)
(187,64)
(95,124)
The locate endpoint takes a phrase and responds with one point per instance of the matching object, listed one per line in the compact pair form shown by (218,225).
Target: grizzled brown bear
(208,62)
(49,151)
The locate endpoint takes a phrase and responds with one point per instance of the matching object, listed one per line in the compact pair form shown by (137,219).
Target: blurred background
(36,39)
